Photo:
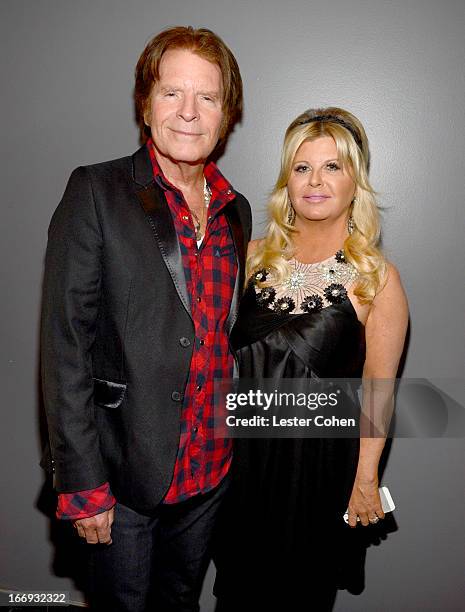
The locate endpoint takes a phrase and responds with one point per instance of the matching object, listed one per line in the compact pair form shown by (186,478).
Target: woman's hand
(365,503)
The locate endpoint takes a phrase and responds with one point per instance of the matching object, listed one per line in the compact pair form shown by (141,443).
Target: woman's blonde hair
(361,246)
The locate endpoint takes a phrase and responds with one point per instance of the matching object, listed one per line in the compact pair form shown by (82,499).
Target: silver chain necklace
(207,194)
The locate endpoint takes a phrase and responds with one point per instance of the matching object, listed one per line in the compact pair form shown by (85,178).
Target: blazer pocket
(108,394)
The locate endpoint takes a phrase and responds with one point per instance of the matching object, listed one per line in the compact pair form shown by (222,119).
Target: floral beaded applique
(283,305)
(312,303)
(336,293)
(266,296)
(309,287)
(260,275)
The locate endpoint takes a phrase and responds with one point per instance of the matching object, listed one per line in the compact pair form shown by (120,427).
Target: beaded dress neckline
(309,287)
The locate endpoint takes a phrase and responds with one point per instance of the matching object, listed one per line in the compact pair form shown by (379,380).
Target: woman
(319,276)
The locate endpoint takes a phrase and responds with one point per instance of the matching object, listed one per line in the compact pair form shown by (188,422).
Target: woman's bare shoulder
(392,288)
(254,245)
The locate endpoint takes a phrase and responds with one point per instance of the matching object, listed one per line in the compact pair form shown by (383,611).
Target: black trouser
(155,563)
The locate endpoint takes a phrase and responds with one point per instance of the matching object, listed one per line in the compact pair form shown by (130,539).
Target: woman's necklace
(207,194)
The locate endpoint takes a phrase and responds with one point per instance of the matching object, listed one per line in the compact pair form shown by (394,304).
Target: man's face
(185,110)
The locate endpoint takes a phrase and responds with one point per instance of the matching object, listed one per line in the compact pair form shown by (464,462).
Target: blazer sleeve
(71,292)
(249,222)
(246,216)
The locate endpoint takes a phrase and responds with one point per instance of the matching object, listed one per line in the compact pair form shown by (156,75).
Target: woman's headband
(334,119)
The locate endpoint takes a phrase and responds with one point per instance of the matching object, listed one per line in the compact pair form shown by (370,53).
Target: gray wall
(67,70)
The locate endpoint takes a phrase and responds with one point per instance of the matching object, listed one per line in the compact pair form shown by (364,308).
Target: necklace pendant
(295,281)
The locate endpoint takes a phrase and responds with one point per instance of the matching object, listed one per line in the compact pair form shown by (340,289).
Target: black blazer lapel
(237,231)
(159,216)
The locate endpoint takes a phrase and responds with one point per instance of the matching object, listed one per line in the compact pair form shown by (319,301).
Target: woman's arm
(385,331)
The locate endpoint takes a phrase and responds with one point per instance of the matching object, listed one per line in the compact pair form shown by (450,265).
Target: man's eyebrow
(212,94)
(216,93)
(168,87)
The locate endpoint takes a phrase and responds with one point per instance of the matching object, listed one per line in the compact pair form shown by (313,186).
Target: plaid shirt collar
(221,188)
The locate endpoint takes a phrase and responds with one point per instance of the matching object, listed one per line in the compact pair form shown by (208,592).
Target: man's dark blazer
(117,333)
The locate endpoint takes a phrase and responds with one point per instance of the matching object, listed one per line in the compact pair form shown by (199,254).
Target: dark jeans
(155,564)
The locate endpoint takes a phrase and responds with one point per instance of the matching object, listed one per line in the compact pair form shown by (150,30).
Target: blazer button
(185,342)
(176,396)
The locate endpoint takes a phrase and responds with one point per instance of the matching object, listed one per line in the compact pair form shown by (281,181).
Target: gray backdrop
(67,77)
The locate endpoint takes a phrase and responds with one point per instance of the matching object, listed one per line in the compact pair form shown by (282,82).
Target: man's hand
(96,529)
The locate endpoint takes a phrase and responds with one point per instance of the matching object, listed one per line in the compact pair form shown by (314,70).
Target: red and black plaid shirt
(210,271)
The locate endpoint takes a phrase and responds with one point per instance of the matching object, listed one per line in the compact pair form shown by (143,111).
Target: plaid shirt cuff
(83,504)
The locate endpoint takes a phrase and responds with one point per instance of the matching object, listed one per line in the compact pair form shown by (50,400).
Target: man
(144,270)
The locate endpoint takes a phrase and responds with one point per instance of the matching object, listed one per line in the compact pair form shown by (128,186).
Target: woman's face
(319,187)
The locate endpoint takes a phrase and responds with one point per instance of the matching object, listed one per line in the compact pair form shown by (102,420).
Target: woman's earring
(350,225)
(290,214)
(350,220)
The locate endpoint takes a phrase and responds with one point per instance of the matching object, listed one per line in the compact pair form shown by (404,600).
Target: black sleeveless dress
(281,535)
